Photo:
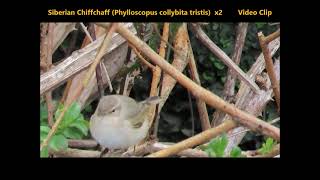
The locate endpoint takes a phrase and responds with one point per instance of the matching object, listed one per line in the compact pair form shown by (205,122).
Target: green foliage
(217,146)
(236,152)
(73,125)
(267,146)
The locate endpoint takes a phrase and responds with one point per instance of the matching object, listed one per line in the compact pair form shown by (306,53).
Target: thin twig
(75,143)
(100,54)
(156,76)
(210,98)
(246,130)
(269,66)
(49,42)
(228,92)
(191,111)
(272,36)
(142,59)
(200,138)
(108,77)
(86,32)
(148,148)
(92,33)
(201,105)
(201,35)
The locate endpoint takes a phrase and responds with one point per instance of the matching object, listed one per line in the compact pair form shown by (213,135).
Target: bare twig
(142,59)
(84,28)
(46,54)
(91,34)
(147,148)
(211,99)
(156,76)
(201,105)
(200,138)
(107,76)
(82,143)
(229,85)
(269,66)
(272,36)
(223,57)
(101,52)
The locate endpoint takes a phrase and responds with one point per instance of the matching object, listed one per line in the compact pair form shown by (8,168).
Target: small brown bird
(120,122)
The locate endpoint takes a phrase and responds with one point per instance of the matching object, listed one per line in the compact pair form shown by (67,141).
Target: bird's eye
(113,110)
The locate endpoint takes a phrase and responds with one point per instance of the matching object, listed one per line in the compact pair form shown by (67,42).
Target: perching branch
(223,57)
(211,99)
(200,138)
(148,148)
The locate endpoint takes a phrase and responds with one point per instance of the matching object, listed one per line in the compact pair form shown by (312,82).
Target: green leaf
(235,152)
(58,142)
(72,113)
(44,152)
(72,133)
(206,76)
(81,125)
(260,25)
(58,111)
(218,65)
(43,112)
(44,130)
(217,146)
(267,146)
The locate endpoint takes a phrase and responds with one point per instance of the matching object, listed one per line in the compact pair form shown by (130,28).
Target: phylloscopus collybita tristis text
(120,122)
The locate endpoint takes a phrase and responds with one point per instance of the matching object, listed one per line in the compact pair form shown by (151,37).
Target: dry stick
(100,54)
(223,57)
(202,108)
(229,85)
(87,32)
(272,36)
(92,33)
(179,63)
(102,49)
(142,59)
(148,148)
(246,130)
(156,76)
(69,82)
(75,143)
(49,63)
(211,99)
(269,67)
(200,138)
